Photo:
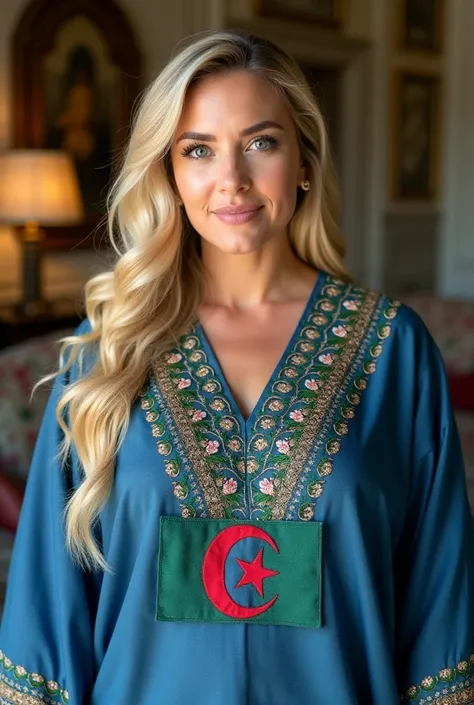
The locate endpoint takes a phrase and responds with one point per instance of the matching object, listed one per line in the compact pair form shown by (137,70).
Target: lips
(234,210)
(237,215)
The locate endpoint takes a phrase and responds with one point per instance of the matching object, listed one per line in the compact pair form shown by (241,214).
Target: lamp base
(32,303)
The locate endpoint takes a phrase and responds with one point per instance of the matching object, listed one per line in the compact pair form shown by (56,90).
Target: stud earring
(305,185)
(179,201)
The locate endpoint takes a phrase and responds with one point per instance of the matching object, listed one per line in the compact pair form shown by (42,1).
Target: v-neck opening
(246,423)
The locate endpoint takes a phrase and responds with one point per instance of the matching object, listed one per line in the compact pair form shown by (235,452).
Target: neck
(272,274)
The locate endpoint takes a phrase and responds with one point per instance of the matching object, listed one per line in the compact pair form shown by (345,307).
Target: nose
(233,175)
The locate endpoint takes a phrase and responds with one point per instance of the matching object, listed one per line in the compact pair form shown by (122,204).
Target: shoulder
(83,327)
(375,317)
(383,310)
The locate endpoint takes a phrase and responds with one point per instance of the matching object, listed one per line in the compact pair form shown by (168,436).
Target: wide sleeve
(434,560)
(46,635)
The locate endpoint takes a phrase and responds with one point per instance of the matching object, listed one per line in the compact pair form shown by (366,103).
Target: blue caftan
(355,431)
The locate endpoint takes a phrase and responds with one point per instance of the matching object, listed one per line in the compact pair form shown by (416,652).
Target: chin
(240,243)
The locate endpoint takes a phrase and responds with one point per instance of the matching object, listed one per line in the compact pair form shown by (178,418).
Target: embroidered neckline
(276,465)
(286,354)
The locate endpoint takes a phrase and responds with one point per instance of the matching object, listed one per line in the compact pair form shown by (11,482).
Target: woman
(265,494)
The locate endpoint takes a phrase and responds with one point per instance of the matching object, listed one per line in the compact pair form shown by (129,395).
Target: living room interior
(395,83)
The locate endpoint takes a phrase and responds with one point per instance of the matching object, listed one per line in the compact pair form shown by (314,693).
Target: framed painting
(420,25)
(415,141)
(324,12)
(77,71)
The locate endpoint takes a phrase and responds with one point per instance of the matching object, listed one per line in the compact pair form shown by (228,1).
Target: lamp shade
(39,186)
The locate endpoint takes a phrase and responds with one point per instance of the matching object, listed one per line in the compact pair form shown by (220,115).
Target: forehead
(238,97)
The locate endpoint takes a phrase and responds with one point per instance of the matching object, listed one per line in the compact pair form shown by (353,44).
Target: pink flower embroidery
(173,359)
(212,447)
(266,486)
(229,486)
(199,416)
(351,305)
(283,447)
(340,331)
(312,384)
(326,359)
(183,383)
(297,416)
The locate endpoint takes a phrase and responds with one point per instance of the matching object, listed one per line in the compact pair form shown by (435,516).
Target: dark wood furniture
(15,326)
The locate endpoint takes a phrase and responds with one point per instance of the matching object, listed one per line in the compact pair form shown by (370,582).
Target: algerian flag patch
(216,570)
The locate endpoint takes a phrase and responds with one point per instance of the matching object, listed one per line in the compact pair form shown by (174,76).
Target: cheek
(193,183)
(278,183)
(276,178)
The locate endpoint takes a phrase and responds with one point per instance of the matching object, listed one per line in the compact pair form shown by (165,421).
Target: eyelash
(272,141)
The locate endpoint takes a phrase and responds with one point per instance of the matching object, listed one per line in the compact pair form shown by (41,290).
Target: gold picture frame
(420,25)
(328,13)
(415,148)
(70,59)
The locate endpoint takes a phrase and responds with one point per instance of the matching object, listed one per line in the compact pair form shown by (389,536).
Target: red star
(255,573)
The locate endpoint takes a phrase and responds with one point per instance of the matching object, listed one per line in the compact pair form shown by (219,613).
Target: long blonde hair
(149,297)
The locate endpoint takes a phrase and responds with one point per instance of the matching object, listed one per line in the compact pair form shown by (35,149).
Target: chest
(249,348)
(312,381)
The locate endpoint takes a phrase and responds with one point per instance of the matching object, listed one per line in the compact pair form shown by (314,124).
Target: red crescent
(213,570)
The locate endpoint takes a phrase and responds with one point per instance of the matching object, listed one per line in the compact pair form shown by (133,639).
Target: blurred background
(395,80)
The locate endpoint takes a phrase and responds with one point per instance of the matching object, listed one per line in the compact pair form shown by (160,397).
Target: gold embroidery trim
(17,698)
(328,392)
(464,698)
(210,490)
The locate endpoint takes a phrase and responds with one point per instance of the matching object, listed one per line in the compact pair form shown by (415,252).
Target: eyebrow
(206,137)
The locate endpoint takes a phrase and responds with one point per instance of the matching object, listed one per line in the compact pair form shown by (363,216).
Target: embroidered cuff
(451,686)
(19,687)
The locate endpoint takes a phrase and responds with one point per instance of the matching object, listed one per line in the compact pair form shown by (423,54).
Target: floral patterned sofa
(20,368)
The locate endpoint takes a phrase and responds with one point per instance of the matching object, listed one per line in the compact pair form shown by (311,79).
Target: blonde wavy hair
(149,298)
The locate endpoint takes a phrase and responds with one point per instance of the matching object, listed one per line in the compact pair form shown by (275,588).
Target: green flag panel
(216,570)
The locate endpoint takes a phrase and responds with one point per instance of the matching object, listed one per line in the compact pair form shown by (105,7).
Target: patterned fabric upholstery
(21,366)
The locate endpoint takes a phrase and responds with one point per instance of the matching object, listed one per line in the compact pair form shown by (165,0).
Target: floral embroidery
(183,383)
(191,438)
(281,467)
(173,359)
(326,359)
(229,486)
(283,447)
(266,486)
(20,687)
(452,686)
(312,384)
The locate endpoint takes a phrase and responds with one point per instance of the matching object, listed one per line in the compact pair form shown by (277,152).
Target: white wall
(456,264)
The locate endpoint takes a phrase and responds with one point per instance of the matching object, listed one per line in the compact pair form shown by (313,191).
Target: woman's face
(236,161)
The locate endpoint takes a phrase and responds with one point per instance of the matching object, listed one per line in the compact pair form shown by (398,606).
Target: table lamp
(37,187)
